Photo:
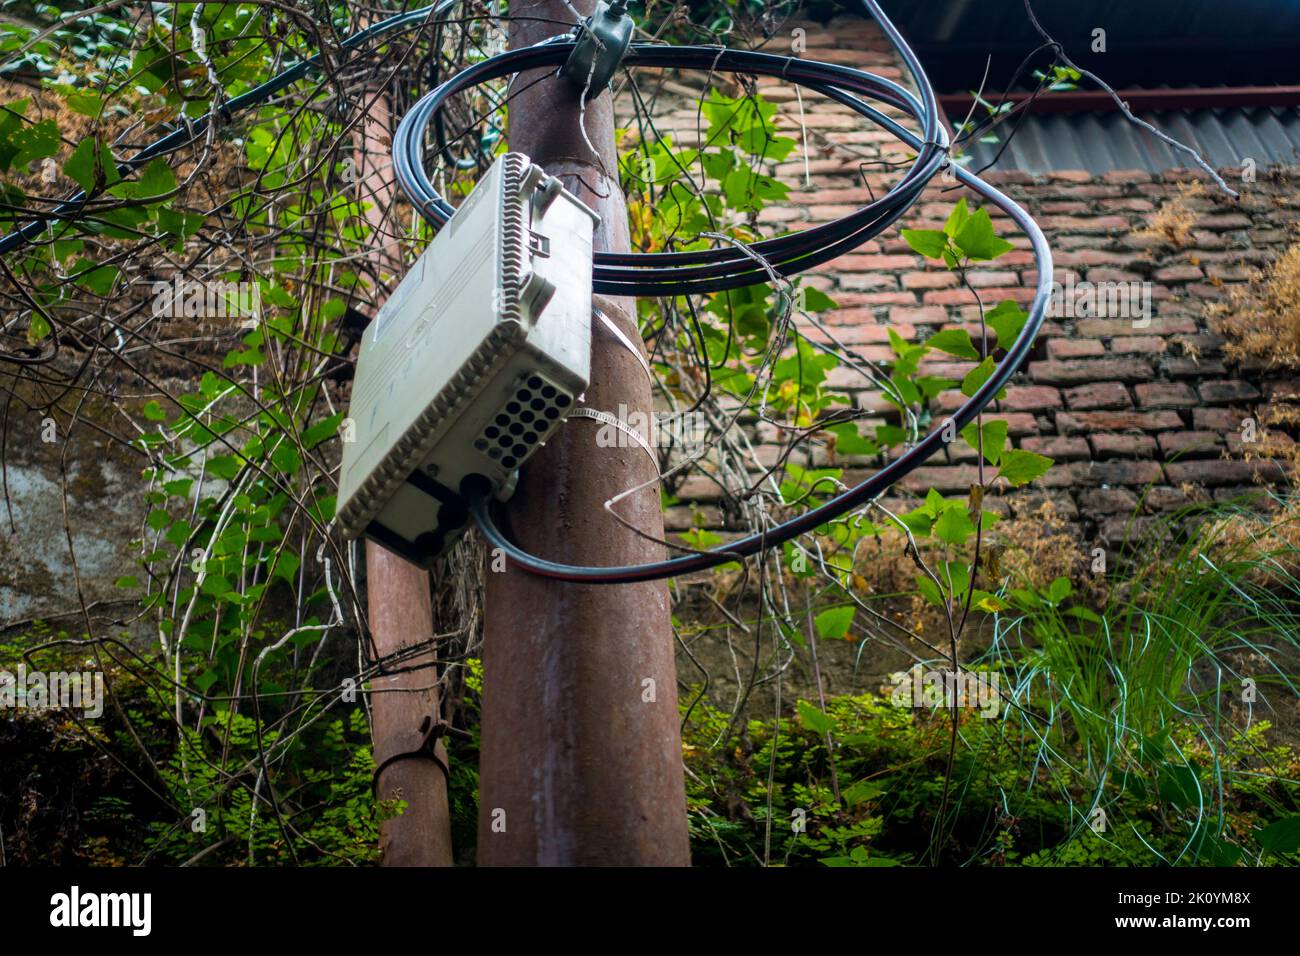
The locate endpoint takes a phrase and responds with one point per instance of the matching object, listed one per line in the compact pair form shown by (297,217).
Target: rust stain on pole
(581,747)
(401,615)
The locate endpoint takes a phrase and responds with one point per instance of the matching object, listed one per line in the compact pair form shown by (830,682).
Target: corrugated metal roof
(1129,22)
(1101,142)
(1147,42)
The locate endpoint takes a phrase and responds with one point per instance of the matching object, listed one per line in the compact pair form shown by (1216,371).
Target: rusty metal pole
(581,758)
(404,709)
(401,615)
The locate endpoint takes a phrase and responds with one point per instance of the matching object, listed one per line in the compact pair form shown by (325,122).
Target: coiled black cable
(710,270)
(681,273)
(717,269)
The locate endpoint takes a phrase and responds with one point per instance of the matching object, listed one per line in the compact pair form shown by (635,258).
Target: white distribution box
(474,360)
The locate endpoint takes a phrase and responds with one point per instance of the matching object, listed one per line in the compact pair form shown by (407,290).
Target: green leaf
(815,300)
(327,428)
(930,243)
(33,142)
(38,328)
(225,466)
(932,385)
(157,179)
(1083,614)
(919,522)
(1179,785)
(978,376)
(934,503)
(1281,836)
(87,104)
(1021,467)
(862,791)
(954,527)
(834,623)
(957,218)
(891,435)
(154,411)
(929,590)
(127,581)
(814,719)
(849,442)
(1007,319)
(98,279)
(180,224)
(978,240)
(91,165)
(237,357)
(1059,590)
(955,342)
(285,459)
(994,435)
(215,585)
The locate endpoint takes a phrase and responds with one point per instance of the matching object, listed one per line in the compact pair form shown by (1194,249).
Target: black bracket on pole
(603,39)
(428,747)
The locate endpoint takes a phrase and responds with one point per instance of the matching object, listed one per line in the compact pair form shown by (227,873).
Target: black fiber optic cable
(680,273)
(478,493)
(479,496)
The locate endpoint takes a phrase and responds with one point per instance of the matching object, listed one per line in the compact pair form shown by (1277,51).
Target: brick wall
(1121,406)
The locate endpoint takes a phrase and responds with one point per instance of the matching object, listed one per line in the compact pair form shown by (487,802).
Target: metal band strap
(606,418)
(627,344)
(430,748)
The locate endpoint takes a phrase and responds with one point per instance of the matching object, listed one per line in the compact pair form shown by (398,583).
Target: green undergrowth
(1152,727)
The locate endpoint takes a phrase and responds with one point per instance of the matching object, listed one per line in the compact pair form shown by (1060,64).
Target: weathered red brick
(1224,221)
(1070,176)
(1126,472)
(1074,348)
(963,296)
(1126,176)
(1225,392)
(1067,474)
(1066,225)
(1222,471)
(858,281)
(699,488)
(1098,395)
(1165,395)
(929,280)
(1126,532)
(989,280)
(1186,367)
(1073,423)
(1138,345)
(1190,444)
(1179,274)
(1217,419)
(944,478)
(1164,498)
(1263,442)
(1159,325)
(1031,398)
(877,263)
(1080,371)
(1109,445)
(1057,447)
(1094,502)
(1284,390)
(919,315)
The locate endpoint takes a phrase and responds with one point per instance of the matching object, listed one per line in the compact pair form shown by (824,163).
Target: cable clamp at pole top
(601,45)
